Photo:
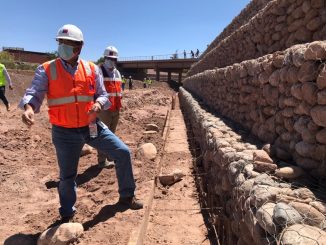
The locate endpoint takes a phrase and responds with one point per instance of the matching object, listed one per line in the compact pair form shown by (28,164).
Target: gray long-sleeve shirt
(5,72)
(35,94)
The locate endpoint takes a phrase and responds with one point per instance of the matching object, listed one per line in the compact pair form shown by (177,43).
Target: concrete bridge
(169,64)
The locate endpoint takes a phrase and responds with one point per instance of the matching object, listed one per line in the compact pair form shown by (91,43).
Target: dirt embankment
(29,173)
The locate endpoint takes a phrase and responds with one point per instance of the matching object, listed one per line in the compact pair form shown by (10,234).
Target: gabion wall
(252,199)
(280,25)
(280,98)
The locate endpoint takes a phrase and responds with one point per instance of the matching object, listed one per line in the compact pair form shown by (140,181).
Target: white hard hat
(111,52)
(70,32)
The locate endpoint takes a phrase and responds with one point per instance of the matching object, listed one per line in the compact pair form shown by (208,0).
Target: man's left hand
(95,108)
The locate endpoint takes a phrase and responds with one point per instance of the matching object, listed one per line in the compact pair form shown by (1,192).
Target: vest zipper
(115,97)
(74,84)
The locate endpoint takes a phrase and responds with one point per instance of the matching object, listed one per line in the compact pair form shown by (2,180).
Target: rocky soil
(29,172)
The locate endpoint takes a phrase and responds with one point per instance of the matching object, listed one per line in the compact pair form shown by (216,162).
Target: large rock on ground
(86,150)
(61,235)
(147,150)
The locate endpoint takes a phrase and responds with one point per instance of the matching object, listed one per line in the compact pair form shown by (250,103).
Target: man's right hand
(28,115)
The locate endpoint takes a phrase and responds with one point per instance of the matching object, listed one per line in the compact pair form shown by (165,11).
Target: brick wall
(29,56)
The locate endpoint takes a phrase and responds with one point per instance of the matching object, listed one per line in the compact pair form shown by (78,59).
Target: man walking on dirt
(123,81)
(4,77)
(75,93)
(130,82)
(112,83)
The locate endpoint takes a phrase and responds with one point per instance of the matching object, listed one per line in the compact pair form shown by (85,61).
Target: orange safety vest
(113,87)
(70,97)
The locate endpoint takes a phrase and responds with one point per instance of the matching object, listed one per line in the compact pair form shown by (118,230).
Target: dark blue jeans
(68,143)
(2,95)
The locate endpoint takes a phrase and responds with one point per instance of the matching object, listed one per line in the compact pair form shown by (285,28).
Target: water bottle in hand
(93,129)
(92,125)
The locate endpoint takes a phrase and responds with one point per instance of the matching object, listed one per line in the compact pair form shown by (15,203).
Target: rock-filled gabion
(280,97)
(246,14)
(280,25)
(256,207)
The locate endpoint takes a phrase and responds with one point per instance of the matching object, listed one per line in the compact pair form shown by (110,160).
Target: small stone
(289,172)
(285,215)
(152,127)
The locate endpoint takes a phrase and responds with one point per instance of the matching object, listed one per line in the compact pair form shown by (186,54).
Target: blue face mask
(66,52)
(109,63)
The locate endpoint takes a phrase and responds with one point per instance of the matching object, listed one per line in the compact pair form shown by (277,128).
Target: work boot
(67,219)
(131,202)
(106,164)
(8,107)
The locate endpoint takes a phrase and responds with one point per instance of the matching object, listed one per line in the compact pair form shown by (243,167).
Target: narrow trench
(207,209)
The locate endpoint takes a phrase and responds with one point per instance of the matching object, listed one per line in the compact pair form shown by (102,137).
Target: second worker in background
(113,85)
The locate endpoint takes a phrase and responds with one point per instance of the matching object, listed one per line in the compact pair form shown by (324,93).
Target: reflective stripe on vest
(70,99)
(115,94)
(111,79)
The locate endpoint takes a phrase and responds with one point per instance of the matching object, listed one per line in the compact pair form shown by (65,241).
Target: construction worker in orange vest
(75,93)
(113,85)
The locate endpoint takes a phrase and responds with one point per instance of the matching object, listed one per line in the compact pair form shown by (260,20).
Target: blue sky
(136,28)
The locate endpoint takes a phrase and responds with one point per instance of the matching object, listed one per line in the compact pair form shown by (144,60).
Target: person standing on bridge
(184,54)
(4,77)
(197,53)
(75,93)
(112,83)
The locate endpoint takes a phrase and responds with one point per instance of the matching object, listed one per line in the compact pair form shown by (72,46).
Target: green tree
(6,56)
(100,61)
(52,55)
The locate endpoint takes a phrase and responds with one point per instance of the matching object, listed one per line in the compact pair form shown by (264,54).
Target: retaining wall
(280,25)
(255,207)
(280,98)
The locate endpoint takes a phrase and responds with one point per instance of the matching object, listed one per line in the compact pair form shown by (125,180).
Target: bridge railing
(162,57)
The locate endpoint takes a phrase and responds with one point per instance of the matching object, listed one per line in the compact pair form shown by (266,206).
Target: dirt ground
(29,172)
